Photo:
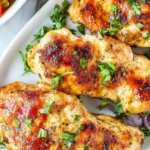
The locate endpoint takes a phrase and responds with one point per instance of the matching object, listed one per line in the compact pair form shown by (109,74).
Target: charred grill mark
(89,128)
(141,88)
(64,56)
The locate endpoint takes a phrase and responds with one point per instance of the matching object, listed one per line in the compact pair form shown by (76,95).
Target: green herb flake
(104,103)
(106,70)
(68,139)
(56,79)
(86,147)
(114,9)
(42,133)
(47,107)
(60,14)
(76,117)
(140,25)
(81,29)
(82,63)
(1,140)
(41,33)
(145,131)
(75,53)
(146,36)
(136,9)
(100,35)
(119,109)
(28,122)
(5,3)
(17,122)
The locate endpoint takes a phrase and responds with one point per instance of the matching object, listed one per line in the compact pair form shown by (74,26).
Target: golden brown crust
(130,82)
(22,101)
(96,14)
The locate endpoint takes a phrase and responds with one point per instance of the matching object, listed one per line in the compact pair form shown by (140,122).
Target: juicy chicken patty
(128,20)
(86,65)
(33,117)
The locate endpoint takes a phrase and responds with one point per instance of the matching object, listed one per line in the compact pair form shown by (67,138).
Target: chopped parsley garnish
(5,3)
(106,70)
(100,35)
(115,22)
(24,58)
(81,29)
(82,63)
(76,117)
(41,33)
(104,103)
(114,9)
(57,79)
(46,108)
(68,139)
(146,35)
(75,53)
(145,131)
(119,112)
(42,133)
(17,122)
(73,31)
(1,140)
(140,25)
(136,9)
(147,54)
(28,122)
(60,14)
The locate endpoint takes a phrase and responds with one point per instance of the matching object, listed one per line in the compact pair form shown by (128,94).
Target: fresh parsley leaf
(75,53)
(76,117)
(145,131)
(147,54)
(106,70)
(42,133)
(73,31)
(28,122)
(140,25)
(17,122)
(100,35)
(24,58)
(81,29)
(119,109)
(112,30)
(146,35)
(82,63)
(57,79)
(104,103)
(60,14)
(116,23)
(68,139)
(41,33)
(47,107)
(114,9)
(5,3)
(1,140)
(135,7)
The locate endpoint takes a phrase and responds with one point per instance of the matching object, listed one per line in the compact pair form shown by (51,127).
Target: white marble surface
(13,26)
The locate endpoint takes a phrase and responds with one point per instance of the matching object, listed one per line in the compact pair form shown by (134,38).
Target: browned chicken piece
(127,20)
(34,117)
(87,65)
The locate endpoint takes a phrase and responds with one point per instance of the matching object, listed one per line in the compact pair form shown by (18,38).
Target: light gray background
(9,29)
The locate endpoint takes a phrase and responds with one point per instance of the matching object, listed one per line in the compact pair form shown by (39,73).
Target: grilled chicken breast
(86,65)
(130,20)
(34,117)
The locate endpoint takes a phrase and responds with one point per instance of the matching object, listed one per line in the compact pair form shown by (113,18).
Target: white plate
(12,10)
(11,65)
